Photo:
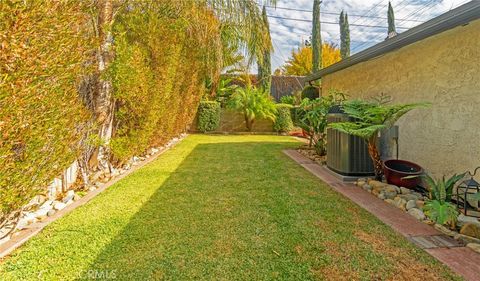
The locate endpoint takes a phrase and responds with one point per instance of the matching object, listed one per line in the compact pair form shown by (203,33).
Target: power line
(374,7)
(413,13)
(329,22)
(329,13)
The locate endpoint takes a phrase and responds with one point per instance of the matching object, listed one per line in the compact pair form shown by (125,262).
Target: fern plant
(369,118)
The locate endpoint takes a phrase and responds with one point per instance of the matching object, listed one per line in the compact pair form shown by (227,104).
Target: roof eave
(459,16)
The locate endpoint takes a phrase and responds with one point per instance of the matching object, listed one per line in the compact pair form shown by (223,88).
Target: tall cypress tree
(265,66)
(347,36)
(391,21)
(344,36)
(316,37)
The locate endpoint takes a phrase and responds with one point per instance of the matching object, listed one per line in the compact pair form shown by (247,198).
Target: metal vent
(347,155)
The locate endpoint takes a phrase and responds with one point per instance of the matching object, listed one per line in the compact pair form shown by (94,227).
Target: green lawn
(221,208)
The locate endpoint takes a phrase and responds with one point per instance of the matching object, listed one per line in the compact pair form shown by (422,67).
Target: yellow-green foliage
(163,52)
(43,47)
(158,73)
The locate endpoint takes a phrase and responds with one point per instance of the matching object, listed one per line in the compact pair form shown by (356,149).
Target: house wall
(444,70)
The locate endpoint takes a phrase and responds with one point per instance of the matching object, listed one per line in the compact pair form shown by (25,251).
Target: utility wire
(329,13)
(329,22)
(413,13)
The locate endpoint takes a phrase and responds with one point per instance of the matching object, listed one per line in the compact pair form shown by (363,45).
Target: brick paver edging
(25,234)
(462,260)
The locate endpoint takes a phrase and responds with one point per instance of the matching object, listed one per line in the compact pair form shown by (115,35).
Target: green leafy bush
(310,92)
(253,103)
(441,212)
(208,116)
(312,118)
(283,122)
(288,100)
(45,45)
(371,116)
(158,77)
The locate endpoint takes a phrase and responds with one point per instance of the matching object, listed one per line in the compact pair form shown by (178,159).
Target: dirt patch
(405,267)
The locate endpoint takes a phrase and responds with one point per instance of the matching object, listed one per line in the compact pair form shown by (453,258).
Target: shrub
(283,122)
(45,45)
(310,92)
(288,100)
(253,103)
(208,116)
(158,78)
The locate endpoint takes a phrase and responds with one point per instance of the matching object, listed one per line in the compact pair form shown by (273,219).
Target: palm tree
(369,118)
(242,28)
(253,103)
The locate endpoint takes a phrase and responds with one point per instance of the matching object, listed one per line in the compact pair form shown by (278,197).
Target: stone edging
(21,237)
(461,260)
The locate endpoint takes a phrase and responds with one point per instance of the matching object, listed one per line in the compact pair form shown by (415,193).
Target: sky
(365,31)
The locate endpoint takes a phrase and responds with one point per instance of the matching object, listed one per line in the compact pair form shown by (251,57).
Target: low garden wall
(444,70)
(234,122)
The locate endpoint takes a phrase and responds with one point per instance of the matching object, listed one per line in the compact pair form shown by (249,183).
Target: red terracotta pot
(396,170)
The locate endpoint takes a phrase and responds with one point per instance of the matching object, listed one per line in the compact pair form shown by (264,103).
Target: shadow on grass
(222,214)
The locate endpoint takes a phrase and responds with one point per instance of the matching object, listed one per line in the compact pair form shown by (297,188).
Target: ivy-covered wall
(55,57)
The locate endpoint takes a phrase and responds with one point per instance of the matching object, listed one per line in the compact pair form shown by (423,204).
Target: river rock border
(467,230)
(43,209)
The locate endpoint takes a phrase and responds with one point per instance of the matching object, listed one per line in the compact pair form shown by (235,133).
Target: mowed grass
(221,208)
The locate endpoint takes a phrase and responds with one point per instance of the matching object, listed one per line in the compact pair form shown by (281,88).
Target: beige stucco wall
(444,70)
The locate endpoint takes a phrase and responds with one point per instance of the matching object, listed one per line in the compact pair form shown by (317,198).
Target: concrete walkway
(460,259)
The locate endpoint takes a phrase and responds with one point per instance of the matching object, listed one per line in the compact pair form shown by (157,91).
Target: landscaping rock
(29,218)
(390,201)
(462,219)
(41,213)
(360,183)
(392,188)
(471,230)
(408,197)
(390,194)
(474,246)
(420,204)
(381,195)
(37,200)
(416,213)
(466,239)
(22,223)
(69,196)
(367,187)
(411,204)
(76,197)
(377,184)
(50,212)
(400,203)
(59,205)
(445,230)
(405,190)
(47,205)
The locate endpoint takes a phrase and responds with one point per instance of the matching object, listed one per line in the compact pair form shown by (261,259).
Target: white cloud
(288,34)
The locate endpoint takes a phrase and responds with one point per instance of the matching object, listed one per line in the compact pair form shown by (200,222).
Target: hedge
(283,122)
(208,116)
(45,45)
(163,52)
